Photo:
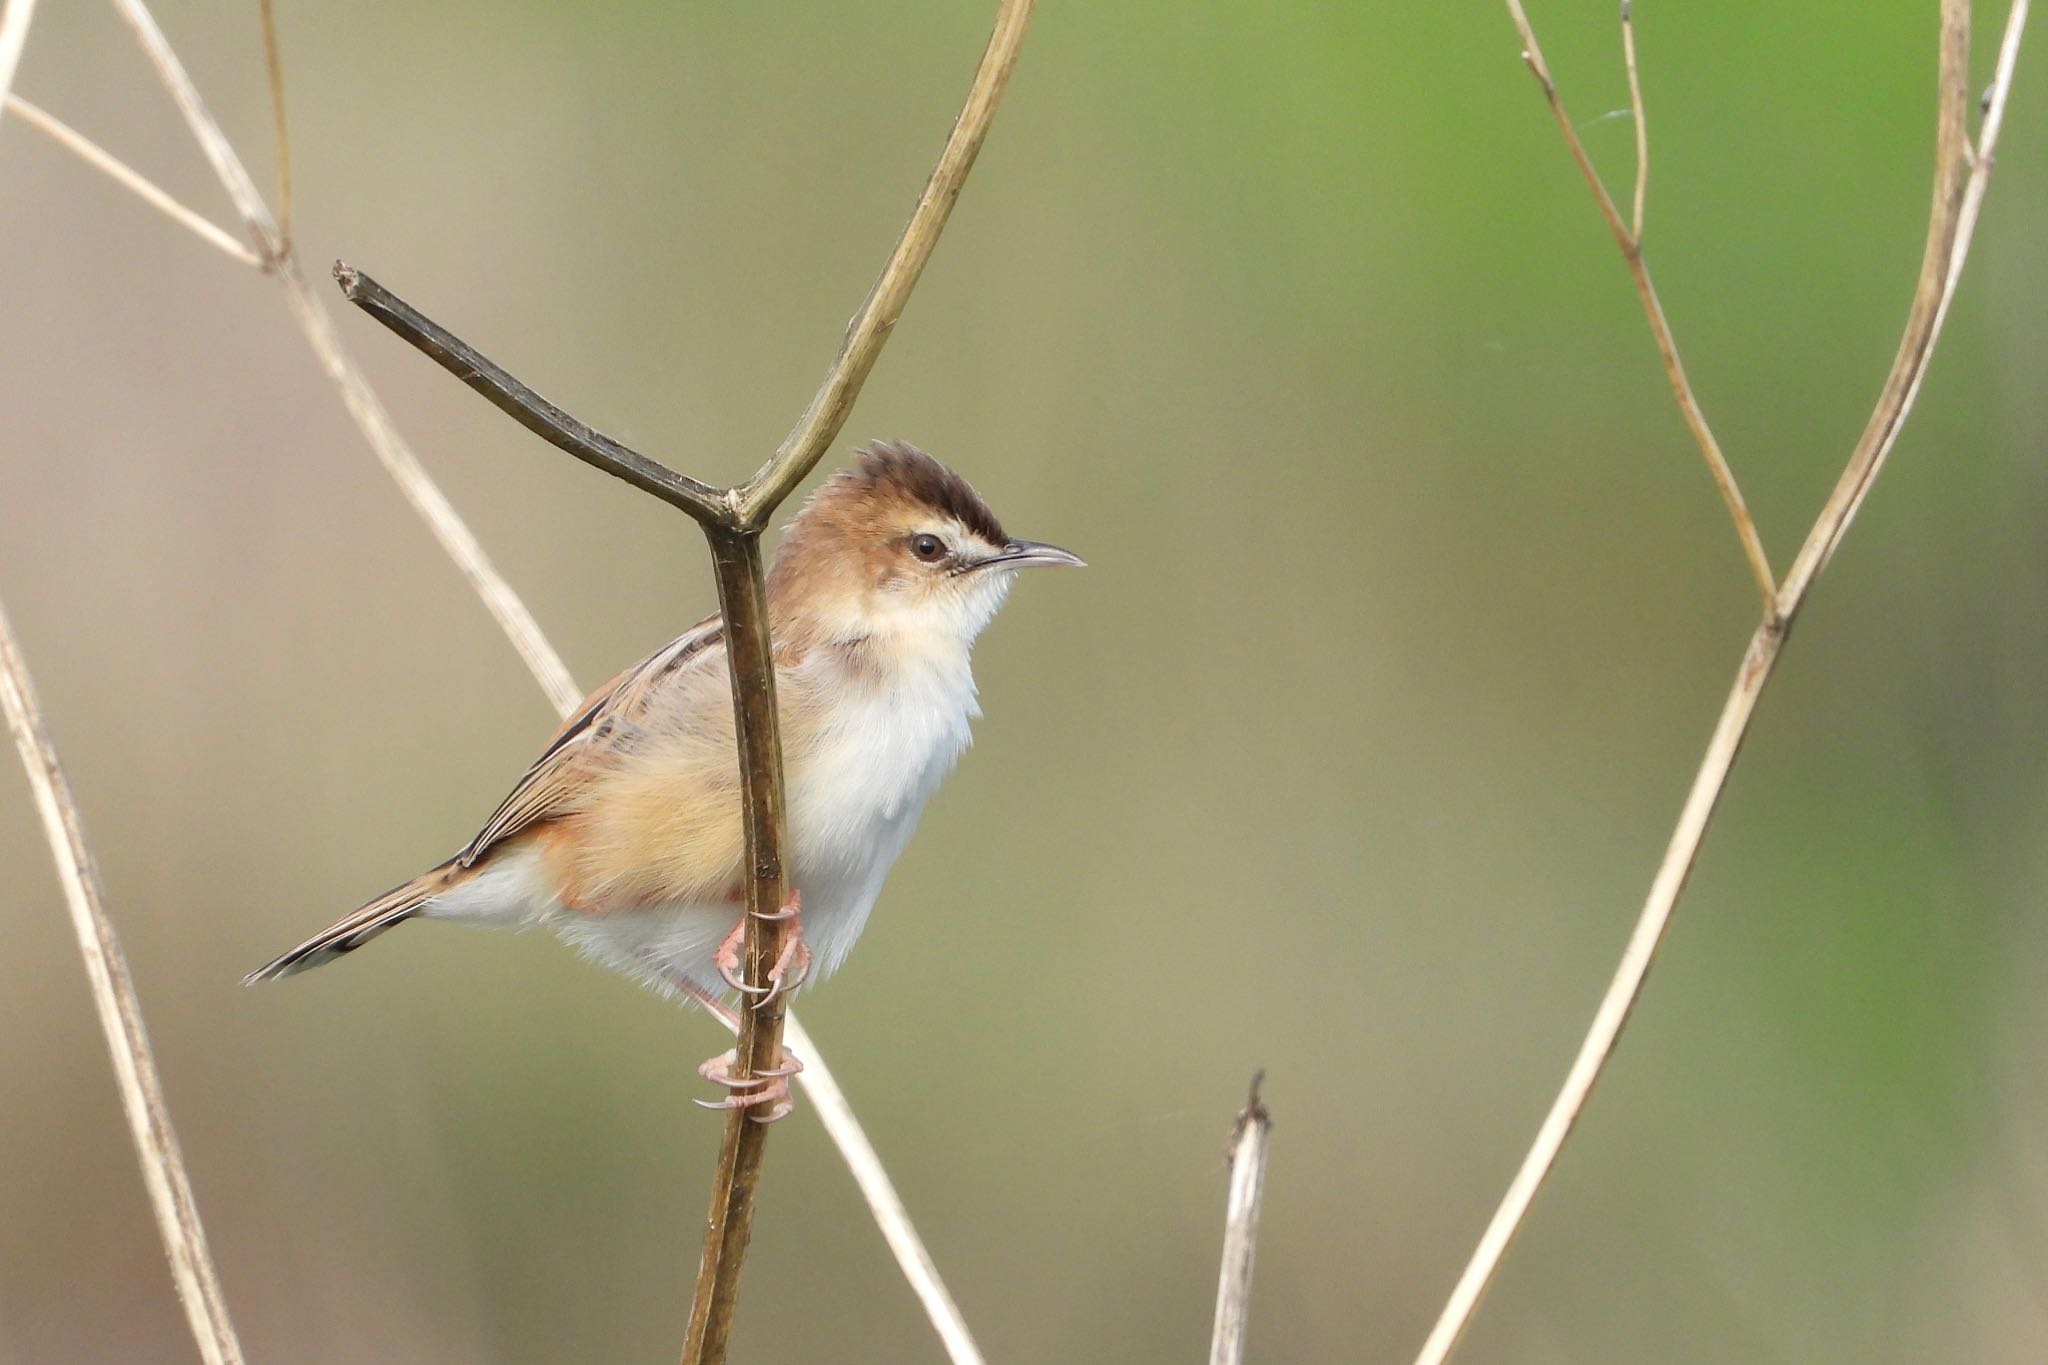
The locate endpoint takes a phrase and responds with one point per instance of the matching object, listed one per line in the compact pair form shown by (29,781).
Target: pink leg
(792,965)
(767,1092)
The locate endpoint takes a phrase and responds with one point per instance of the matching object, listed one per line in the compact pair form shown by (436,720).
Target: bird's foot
(765,1094)
(792,965)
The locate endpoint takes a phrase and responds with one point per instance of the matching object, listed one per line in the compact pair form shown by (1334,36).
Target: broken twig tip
(1254,1114)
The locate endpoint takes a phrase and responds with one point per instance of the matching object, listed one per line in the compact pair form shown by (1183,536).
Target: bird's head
(898,545)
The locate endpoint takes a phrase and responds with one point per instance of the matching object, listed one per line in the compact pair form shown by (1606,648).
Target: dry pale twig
(1959,182)
(865,336)
(526,637)
(1635,108)
(113,995)
(96,156)
(280,131)
(733,520)
(1660,328)
(1246,1157)
(883,1203)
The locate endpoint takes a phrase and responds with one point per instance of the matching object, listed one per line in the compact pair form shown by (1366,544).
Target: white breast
(856,796)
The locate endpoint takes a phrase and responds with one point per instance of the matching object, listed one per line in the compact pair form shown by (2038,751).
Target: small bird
(625,836)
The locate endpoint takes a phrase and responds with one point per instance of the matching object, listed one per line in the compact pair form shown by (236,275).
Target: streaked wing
(551,786)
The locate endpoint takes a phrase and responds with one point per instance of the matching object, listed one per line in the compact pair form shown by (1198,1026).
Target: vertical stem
(1246,1157)
(742,596)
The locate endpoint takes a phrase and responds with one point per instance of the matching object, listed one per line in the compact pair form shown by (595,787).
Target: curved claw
(738,983)
(792,968)
(791,908)
(727,960)
(718,1071)
(775,1099)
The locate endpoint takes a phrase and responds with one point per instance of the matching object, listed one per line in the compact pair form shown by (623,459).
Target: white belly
(854,798)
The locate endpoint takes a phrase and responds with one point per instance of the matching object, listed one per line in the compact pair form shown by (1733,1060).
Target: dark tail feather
(354,930)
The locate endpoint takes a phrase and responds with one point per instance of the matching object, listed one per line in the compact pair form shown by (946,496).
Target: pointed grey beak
(1021,554)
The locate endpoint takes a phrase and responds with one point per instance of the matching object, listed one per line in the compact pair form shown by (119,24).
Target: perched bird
(625,835)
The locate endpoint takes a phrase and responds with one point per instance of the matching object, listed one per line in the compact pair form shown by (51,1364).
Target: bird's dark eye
(928,548)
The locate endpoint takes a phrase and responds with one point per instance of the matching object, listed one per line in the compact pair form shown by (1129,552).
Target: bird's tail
(352,931)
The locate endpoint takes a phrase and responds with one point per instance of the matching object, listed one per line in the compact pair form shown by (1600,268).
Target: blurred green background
(1350,757)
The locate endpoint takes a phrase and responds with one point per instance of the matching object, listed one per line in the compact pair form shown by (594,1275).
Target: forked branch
(1960,178)
(733,520)
(526,407)
(1630,240)
(865,336)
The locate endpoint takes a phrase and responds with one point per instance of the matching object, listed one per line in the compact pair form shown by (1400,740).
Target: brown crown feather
(886,468)
(883,478)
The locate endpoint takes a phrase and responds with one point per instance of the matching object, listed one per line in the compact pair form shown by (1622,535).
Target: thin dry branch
(1631,246)
(729,1222)
(280,130)
(531,644)
(1959,183)
(829,1102)
(98,157)
(1246,1157)
(736,558)
(529,409)
(869,331)
(1635,109)
(113,995)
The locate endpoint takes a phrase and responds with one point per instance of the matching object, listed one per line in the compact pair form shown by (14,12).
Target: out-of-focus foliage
(1350,756)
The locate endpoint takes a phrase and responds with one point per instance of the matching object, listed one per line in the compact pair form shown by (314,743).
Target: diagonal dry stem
(1631,245)
(1960,179)
(120,1011)
(98,157)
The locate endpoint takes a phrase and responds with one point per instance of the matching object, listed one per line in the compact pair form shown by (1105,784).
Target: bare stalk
(96,156)
(1630,242)
(1959,182)
(280,131)
(1246,1157)
(865,336)
(529,409)
(1635,108)
(520,627)
(738,559)
(113,994)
